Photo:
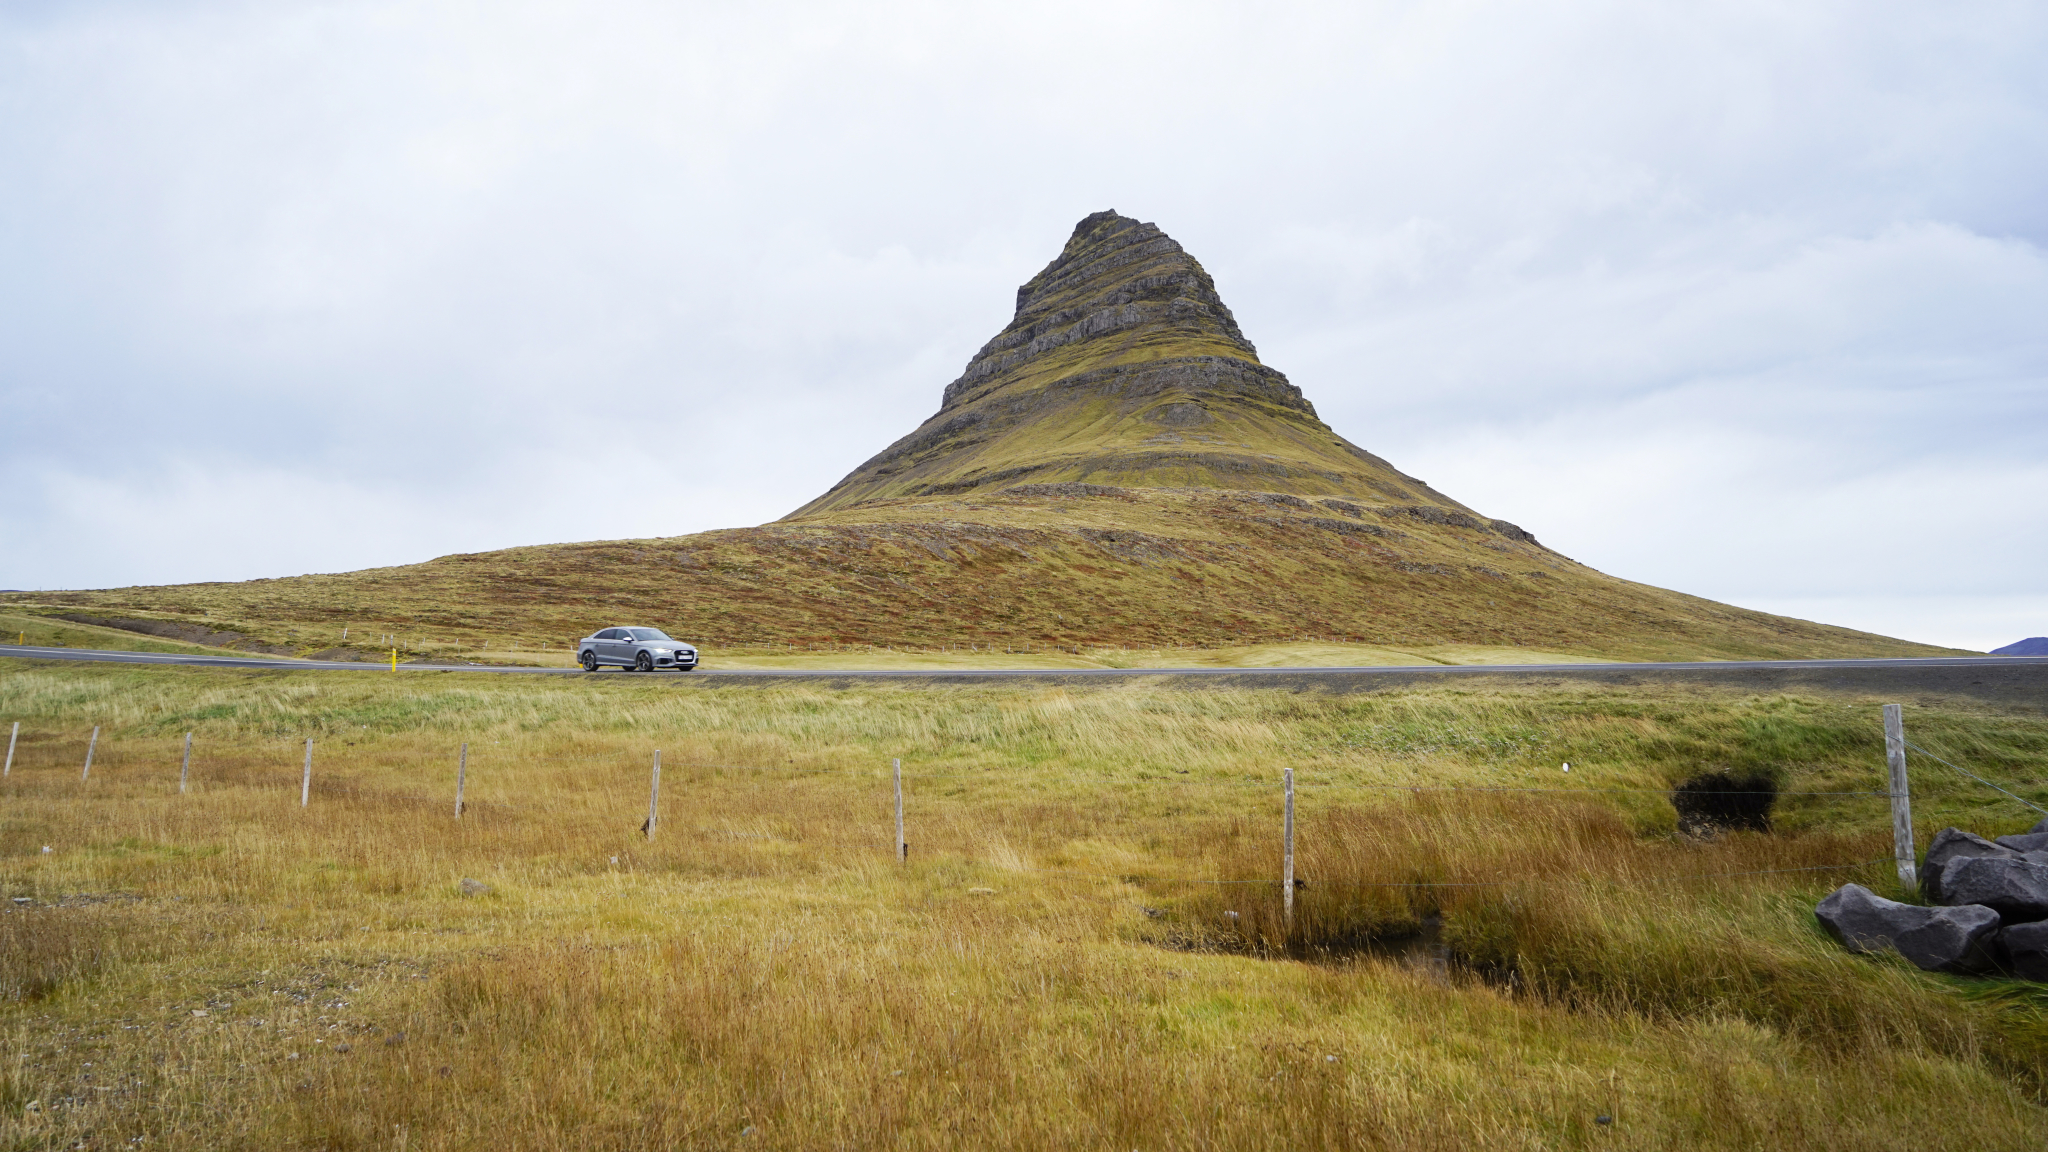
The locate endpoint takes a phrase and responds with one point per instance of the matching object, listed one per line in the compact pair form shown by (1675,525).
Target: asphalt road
(2009,679)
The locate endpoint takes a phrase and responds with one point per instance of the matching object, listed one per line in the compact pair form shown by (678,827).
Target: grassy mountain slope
(1037,567)
(1116,467)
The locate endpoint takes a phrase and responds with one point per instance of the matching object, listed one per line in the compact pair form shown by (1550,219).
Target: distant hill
(1115,467)
(2031,646)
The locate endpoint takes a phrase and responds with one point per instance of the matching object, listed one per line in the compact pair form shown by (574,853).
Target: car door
(608,647)
(628,648)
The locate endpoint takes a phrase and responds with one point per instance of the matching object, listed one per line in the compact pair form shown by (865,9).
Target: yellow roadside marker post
(394,659)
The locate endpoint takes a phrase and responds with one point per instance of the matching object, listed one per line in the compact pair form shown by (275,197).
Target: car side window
(608,634)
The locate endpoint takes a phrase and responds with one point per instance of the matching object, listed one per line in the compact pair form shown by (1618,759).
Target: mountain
(1115,467)
(1122,367)
(2031,646)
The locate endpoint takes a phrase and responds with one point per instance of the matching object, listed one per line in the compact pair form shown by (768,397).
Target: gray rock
(1936,939)
(1952,844)
(1513,531)
(2022,950)
(474,887)
(2016,889)
(2025,842)
(2040,826)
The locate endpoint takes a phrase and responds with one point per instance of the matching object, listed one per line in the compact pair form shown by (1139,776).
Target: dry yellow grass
(1186,570)
(1042,973)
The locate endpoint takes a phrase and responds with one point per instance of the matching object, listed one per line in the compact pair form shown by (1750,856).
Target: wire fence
(1977,778)
(485,758)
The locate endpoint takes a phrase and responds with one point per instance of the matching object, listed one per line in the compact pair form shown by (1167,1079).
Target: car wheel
(590,661)
(643,663)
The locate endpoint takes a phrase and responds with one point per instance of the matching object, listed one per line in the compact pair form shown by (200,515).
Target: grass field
(1056,965)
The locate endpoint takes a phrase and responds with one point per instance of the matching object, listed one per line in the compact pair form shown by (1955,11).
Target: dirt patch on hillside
(1068,491)
(169,630)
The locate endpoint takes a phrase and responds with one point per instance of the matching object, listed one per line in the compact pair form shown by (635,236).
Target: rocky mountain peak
(1116,277)
(1122,366)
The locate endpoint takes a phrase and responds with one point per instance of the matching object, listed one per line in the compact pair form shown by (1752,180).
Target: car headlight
(662,651)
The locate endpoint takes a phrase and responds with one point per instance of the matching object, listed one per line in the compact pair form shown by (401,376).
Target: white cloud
(1973,623)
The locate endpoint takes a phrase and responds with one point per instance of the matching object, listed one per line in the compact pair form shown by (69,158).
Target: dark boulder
(2022,949)
(2016,889)
(1936,939)
(1950,845)
(2025,842)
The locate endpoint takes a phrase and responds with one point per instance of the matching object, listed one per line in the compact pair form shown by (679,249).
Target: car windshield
(646,633)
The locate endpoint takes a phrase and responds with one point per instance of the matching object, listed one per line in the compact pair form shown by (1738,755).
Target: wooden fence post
(306,782)
(1287,869)
(653,798)
(902,847)
(11,737)
(185,765)
(1902,800)
(89,747)
(461,773)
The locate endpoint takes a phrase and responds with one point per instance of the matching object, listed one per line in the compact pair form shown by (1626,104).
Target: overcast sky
(1747,300)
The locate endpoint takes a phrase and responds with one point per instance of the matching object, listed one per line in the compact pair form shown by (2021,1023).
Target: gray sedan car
(642,649)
